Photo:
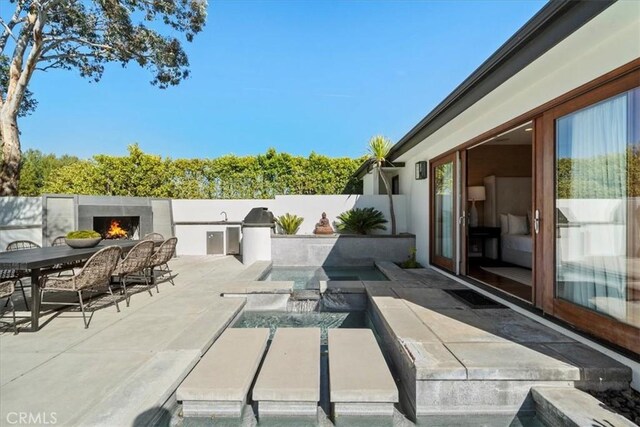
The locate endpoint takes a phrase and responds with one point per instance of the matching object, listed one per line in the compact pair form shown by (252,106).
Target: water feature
(323,320)
(310,277)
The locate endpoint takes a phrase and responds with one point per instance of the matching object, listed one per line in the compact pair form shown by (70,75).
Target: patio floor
(126,365)
(125,362)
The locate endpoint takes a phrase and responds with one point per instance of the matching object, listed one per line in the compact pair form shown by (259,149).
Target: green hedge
(228,177)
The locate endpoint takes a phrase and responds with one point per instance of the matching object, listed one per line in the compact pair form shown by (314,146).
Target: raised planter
(340,249)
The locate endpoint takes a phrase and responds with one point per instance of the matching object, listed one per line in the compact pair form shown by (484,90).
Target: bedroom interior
(499,195)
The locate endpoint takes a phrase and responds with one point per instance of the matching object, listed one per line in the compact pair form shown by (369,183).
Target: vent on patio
(473,299)
(125,227)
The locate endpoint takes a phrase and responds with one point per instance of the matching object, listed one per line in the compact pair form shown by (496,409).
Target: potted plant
(361,221)
(83,239)
(289,224)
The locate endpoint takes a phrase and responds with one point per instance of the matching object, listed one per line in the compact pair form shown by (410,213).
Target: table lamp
(475,194)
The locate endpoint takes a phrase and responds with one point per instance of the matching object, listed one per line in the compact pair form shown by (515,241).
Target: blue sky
(299,76)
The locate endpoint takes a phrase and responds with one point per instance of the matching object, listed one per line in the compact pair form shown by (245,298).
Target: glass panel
(443,201)
(598,207)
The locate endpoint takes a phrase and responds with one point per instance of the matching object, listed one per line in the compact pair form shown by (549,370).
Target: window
(395,184)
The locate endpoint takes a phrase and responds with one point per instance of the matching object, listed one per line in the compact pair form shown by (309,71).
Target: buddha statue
(323,226)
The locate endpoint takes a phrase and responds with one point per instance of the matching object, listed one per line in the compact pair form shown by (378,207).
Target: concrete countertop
(208,223)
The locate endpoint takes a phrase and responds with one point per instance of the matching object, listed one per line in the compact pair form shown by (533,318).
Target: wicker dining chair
(95,273)
(156,237)
(59,241)
(16,276)
(160,259)
(136,260)
(19,245)
(6,290)
(66,266)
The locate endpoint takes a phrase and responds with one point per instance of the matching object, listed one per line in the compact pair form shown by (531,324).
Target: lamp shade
(476,193)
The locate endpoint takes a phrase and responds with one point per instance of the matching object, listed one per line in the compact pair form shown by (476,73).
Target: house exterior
(571,78)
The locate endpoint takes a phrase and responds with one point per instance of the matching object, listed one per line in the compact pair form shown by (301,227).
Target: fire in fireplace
(117,227)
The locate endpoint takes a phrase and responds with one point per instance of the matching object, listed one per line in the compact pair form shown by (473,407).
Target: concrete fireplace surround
(86,213)
(61,214)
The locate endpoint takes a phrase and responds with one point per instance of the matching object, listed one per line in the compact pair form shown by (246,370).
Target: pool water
(310,277)
(323,320)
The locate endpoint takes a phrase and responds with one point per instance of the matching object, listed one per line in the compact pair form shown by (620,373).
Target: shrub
(361,221)
(289,224)
(83,234)
(411,261)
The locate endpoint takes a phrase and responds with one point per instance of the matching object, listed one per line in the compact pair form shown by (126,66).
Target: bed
(508,195)
(517,249)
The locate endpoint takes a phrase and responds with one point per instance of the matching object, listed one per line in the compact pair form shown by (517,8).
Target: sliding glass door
(594,147)
(443,212)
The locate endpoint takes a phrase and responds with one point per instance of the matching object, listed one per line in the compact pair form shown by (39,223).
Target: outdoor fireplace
(121,227)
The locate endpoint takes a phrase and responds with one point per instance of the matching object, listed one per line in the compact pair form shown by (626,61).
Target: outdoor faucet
(225,215)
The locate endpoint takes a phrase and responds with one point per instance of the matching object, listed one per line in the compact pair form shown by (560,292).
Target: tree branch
(17,87)
(8,27)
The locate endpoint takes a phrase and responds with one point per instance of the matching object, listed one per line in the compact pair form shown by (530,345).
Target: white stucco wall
(608,41)
(192,237)
(20,219)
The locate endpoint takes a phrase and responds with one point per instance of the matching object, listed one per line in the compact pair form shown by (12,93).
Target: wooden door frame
(463,227)
(588,320)
(447,264)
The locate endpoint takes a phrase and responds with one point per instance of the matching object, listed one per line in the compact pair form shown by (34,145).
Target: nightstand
(484,233)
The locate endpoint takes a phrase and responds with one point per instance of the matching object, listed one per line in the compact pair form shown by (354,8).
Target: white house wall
(607,42)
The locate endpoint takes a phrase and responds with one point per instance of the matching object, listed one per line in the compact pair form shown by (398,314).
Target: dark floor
(505,284)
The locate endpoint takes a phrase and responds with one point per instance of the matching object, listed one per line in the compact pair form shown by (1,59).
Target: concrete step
(218,386)
(359,378)
(289,380)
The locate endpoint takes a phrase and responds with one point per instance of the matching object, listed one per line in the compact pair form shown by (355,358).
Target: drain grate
(473,299)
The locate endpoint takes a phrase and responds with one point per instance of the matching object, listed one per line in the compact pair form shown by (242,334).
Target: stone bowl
(83,243)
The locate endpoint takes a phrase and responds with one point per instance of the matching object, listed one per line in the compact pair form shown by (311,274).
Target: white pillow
(504,224)
(517,224)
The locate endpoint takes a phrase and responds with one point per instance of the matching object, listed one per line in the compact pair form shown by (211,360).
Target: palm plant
(289,224)
(378,151)
(361,220)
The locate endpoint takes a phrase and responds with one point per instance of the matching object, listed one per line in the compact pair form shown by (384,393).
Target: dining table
(38,261)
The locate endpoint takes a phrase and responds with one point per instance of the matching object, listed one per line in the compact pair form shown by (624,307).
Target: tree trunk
(391,211)
(10,162)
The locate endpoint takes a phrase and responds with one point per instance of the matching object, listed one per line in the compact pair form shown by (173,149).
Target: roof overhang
(557,20)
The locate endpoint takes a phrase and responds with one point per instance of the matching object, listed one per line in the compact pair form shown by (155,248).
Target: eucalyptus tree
(84,35)
(378,151)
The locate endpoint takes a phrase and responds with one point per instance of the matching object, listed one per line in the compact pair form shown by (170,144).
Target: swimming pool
(310,277)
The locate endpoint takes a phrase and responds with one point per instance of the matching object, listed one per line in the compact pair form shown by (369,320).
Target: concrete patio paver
(475,360)
(434,361)
(359,378)
(219,385)
(142,352)
(510,361)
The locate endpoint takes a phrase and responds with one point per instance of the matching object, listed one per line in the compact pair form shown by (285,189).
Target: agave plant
(361,221)
(289,224)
